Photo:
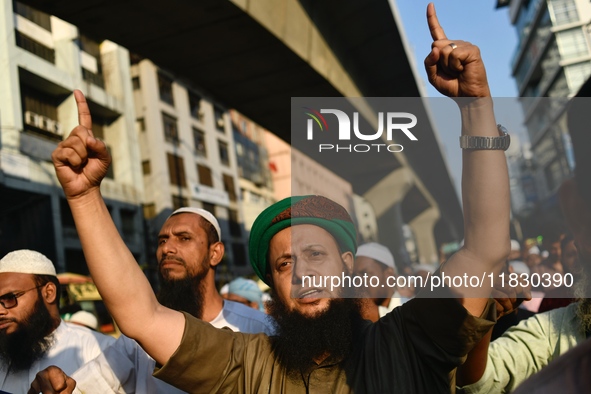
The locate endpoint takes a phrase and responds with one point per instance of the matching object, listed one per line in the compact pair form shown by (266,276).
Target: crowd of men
(308,339)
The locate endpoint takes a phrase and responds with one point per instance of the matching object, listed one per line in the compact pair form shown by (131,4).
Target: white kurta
(73,346)
(125,367)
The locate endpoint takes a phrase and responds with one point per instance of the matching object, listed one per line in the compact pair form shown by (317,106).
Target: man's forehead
(188,221)
(302,236)
(368,261)
(10,281)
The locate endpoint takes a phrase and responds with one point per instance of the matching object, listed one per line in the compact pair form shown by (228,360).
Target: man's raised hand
(81,161)
(454,67)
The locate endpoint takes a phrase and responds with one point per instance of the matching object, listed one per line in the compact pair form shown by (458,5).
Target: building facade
(42,60)
(551,62)
(254,173)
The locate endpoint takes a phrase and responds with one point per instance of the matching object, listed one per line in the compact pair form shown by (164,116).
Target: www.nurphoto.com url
(502,279)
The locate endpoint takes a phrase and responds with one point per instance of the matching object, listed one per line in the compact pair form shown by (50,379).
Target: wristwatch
(487,143)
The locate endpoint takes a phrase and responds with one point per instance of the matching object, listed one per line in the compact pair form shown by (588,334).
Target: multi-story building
(187,157)
(254,173)
(551,61)
(42,60)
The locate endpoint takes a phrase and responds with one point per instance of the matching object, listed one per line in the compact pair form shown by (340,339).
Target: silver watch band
(487,143)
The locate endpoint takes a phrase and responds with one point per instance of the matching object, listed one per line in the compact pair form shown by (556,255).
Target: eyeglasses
(9,300)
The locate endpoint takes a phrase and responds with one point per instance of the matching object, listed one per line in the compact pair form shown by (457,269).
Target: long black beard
(185,294)
(301,339)
(30,342)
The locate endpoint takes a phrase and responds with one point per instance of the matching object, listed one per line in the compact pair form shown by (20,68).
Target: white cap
(204,214)
(519,267)
(85,319)
(515,246)
(534,250)
(431,268)
(225,288)
(378,252)
(27,261)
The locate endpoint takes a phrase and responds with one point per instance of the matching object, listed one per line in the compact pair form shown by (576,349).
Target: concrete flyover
(254,55)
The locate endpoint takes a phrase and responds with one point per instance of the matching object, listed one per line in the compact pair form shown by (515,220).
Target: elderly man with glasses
(32,334)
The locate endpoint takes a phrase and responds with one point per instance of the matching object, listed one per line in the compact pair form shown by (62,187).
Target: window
(35,47)
(199,140)
(179,202)
(234,223)
(572,43)
(75,261)
(576,75)
(111,170)
(37,17)
(204,175)
(40,113)
(135,83)
(209,207)
(176,170)
(563,11)
(141,124)
(90,60)
(224,154)
(39,103)
(165,89)
(128,224)
(239,253)
(149,210)
(220,123)
(146,167)
(195,105)
(229,186)
(171,133)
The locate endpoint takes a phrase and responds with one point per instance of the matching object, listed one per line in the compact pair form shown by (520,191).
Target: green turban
(317,210)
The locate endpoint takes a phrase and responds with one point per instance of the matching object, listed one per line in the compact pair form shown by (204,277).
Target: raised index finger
(84,118)
(435,28)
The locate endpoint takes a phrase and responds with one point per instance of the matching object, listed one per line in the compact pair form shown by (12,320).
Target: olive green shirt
(413,349)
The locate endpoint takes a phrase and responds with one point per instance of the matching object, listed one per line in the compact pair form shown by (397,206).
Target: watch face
(502,129)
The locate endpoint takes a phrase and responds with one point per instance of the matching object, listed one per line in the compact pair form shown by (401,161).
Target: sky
(476,21)
(479,22)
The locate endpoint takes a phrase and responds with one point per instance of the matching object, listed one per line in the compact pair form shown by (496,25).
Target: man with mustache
(32,334)
(374,259)
(413,349)
(189,250)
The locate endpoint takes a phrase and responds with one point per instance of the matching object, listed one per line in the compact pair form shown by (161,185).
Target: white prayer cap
(431,268)
(515,246)
(519,267)
(534,250)
(85,319)
(26,261)
(378,252)
(204,214)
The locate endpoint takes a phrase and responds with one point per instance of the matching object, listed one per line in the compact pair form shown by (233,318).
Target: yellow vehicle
(78,292)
